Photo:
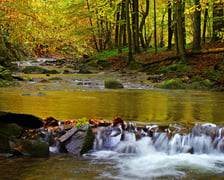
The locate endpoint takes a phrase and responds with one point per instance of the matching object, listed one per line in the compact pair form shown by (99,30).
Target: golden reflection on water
(149,106)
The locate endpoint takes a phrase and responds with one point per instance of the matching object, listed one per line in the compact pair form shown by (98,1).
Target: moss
(32,148)
(172,84)
(7,75)
(4,83)
(4,144)
(7,132)
(202,84)
(10,130)
(88,141)
(2,68)
(34,69)
(112,84)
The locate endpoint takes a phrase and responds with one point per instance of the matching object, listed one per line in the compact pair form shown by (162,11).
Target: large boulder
(78,141)
(112,84)
(23,120)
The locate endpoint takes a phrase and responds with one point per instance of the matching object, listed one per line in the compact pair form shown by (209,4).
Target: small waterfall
(201,139)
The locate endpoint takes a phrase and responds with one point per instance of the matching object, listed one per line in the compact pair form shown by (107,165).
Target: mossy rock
(31,148)
(34,69)
(172,84)
(6,75)
(88,141)
(2,68)
(4,83)
(10,129)
(203,84)
(8,132)
(4,144)
(113,84)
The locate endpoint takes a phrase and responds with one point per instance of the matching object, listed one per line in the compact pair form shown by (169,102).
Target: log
(68,134)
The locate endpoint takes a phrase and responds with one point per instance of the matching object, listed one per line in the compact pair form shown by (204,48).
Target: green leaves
(81,122)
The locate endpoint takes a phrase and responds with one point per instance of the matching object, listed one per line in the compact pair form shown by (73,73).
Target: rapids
(160,155)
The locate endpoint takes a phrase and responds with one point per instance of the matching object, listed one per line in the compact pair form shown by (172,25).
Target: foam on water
(150,163)
(181,156)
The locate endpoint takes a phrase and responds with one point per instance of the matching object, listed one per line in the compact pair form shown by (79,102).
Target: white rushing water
(183,156)
(149,163)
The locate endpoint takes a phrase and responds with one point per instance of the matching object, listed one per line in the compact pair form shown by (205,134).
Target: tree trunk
(197,26)
(179,30)
(184,22)
(205,23)
(218,20)
(155,35)
(130,55)
(135,26)
(170,27)
(123,16)
(117,26)
(145,14)
(161,44)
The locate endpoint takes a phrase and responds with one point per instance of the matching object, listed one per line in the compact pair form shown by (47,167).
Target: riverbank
(203,72)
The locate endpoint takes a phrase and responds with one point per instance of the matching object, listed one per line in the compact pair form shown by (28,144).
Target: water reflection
(160,106)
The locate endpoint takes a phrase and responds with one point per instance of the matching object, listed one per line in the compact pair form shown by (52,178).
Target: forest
(128,33)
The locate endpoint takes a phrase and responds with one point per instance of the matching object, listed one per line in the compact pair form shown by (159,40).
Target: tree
(205,22)
(130,54)
(170,26)
(155,30)
(179,33)
(145,14)
(218,20)
(135,25)
(197,26)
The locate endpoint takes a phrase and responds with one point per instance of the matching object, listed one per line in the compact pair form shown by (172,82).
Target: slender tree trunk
(135,25)
(161,44)
(205,23)
(130,54)
(184,22)
(197,26)
(170,29)
(145,14)
(123,17)
(117,26)
(155,30)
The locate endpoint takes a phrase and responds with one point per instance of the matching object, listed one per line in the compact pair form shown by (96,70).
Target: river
(137,102)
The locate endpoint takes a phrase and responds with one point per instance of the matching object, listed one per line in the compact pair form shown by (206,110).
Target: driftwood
(175,57)
(68,134)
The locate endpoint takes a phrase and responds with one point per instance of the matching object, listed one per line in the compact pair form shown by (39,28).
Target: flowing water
(150,157)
